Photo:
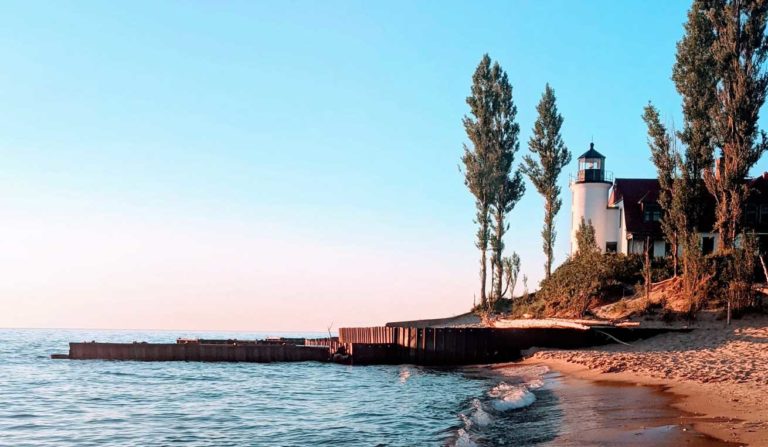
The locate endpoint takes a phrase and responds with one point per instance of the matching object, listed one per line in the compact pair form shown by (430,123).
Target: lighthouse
(589,194)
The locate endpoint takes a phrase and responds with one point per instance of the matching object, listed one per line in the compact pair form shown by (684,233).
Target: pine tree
(493,132)
(543,172)
(739,50)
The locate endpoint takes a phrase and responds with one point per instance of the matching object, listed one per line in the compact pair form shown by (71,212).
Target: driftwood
(612,337)
(544,323)
(561,323)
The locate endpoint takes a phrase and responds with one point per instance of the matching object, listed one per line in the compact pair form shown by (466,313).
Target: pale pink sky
(82,265)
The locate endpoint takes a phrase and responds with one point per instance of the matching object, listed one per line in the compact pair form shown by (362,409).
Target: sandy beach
(718,373)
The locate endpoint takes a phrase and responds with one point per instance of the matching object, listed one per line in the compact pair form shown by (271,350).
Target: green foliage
(511,266)
(478,159)
(734,274)
(675,195)
(696,81)
(586,278)
(739,50)
(547,143)
(493,133)
(586,243)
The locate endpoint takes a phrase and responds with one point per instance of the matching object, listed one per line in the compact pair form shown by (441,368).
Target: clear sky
(284,165)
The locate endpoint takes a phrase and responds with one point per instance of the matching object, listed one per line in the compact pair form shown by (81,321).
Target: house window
(751,214)
(707,244)
(611,247)
(651,213)
(763,214)
(667,249)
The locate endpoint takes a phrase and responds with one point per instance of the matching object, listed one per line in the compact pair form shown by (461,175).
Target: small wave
(479,416)
(463,439)
(405,373)
(476,417)
(510,397)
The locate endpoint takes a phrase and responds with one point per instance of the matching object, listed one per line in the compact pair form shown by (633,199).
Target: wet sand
(622,414)
(719,374)
(590,412)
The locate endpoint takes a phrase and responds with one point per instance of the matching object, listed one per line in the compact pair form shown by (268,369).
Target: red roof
(636,193)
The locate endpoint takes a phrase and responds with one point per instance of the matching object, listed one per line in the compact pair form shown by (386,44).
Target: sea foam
(510,397)
(480,417)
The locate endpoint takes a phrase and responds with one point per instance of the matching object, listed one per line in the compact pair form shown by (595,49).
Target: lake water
(112,403)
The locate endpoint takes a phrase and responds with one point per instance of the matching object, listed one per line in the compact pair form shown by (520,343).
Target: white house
(625,212)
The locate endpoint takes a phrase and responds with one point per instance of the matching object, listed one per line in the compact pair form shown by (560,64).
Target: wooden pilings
(462,346)
(427,346)
(373,345)
(375,335)
(259,353)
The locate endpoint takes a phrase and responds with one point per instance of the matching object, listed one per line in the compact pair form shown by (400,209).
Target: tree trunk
(483,263)
(483,218)
(674,256)
(498,253)
(548,242)
(647,268)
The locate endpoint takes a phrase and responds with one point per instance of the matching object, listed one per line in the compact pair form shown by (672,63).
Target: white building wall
(623,244)
(590,202)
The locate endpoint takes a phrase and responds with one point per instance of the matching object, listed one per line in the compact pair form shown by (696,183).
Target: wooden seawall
(370,345)
(462,346)
(198,352)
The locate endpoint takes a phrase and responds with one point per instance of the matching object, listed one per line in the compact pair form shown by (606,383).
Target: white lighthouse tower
(589,191)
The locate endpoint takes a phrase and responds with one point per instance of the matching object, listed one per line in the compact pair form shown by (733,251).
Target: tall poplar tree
(509,189)
(477,159)
(739,50)
(492,131)
(695,78)
(673,181)
(543,172)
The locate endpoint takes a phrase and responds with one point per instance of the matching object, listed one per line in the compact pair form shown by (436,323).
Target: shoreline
(716,419)
(616,412)
(717,374)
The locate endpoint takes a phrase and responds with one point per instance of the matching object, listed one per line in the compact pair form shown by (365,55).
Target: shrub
(581,281)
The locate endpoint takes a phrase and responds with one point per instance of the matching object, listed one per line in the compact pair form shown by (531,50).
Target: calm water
(100,403)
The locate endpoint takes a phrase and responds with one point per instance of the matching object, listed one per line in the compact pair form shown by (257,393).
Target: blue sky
(275,156)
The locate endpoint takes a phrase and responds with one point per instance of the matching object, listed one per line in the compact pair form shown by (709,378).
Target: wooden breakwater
(371,345)
(462,346)
(198,352)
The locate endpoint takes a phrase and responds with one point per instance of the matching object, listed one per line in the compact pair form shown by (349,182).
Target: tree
(696,80)
(586,243)
(553,156)
(739,50)
(511,269)
(508,193)
(673,181)
(675,197)
(492,131)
